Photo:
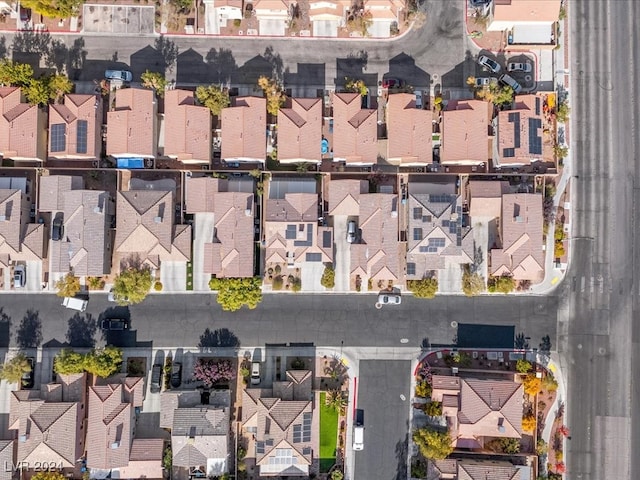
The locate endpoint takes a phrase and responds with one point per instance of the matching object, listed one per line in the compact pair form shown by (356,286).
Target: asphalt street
(325,320)
(436,52)
(598,321)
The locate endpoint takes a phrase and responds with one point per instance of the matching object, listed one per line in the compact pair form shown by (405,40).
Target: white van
(358,437)
(75,303)
(255,373)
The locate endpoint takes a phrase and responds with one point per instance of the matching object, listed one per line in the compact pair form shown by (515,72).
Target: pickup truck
(114,324)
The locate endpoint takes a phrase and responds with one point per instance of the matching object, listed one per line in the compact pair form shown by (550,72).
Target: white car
(389,299)
(488,63)
(485,81)
(519,67)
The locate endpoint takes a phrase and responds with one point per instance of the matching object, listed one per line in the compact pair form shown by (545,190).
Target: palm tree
(337,400)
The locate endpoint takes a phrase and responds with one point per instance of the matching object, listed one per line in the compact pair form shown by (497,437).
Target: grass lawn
(328,434)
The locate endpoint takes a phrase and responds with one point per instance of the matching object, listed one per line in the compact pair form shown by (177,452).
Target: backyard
(328,434)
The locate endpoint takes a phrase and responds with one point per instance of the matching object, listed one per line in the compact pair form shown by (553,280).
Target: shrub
(433,444)
(296,284)
(278,269)
(433,409)
(328,279)
(423,389)
(235,293)
(549,382)
(472,283)
(157,286)
(237,22)
(277,283)
(510,445)
(68,286)
(541,447)
(425,288)
(532,385)
(523,366)
(541,405)
(501,284)
(529,423)
(559,456)
(95,283)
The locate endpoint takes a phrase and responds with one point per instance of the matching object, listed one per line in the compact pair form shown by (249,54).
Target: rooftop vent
(115,445)
(247,212)
(158,219)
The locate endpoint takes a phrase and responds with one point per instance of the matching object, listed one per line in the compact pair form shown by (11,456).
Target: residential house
(218,13)
(85,248)
(327,16)
(291,231)
(6,459)
(74,128)
(408,131)
(187,128)
(383,15)
(479,409)
(49,422)
(282,421)
(224,229)
(145,459)
(20,241)
(525,22)
(440,236)
(466,132)
(519,133)
(467,469)
(273,16)
(111,421)
(244,130)
(199,433)
(131,125)
(521,228)
(145,230)
(300,129)
(486,198)
(376,255)
(22,128)
(355,130)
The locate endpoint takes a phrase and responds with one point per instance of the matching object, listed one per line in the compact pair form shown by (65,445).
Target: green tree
(58,86)
(523,366)
(562,113)
(328,279)
(423,389)
(273,93)
(155,81)
(132,286)
(502,284)
(68,362)
(433,409)
(529,423)
(560,151)
(15,74)
(532,384)
(234,293)
(13,370)
(104,362)
(549,382)
(510,445)
(167,459)
(54,8)
(355,86)
(51,475)
(68,286)
(433,444)
(425,288)
(472,283)
(496,93)
(37,92)
(213,97)
(337,475)
(336,399)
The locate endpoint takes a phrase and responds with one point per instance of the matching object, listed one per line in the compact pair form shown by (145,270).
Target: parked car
(114,324)
(352,231)
(25,14)
(79,304)
(485,81)
(19,276)
(123,75)
(519,67)
(176,374)
(488,63)
(392,82)
(510,82)
(28,378)
(418,94)
(57,232)
(389,299)
(156,378)
(255,373)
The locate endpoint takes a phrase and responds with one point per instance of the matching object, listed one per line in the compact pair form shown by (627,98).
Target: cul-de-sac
(319,239)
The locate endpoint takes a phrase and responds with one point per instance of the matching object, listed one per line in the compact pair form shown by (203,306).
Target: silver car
(19,276)
(352,232)
(488,63)
(389,299)
(519,67)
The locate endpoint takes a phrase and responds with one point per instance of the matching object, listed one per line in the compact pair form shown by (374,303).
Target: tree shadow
(5,329)
(425,344)
(30,330)
(222,337)
(521,341)
(275,60)
(168,50)
(132,261)
(31,42)
(401,456)
(222,65)
(3,47)
(82,331)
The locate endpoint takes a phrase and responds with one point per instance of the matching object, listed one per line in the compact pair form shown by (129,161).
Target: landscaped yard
(328,434)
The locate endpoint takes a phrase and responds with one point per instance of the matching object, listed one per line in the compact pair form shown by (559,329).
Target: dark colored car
(25,14)
(114,324)
(57,232)
(156,378)
(392,82)
(28,378)
(176,374)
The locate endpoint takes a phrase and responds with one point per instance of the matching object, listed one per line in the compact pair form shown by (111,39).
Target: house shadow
(5,329)
(402,449)
(404,66)
(353,67)
(308,76)
(128,337)
(457,76)
(81,332)
(222,337)
(94,69)
(254,68)
(191,68)
(30,330)
(222,66)
(147,58)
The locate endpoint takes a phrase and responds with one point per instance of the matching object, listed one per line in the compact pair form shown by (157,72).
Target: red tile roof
(187,128)
(408,130)
(517,135)
(19,128)
(465,132)
(526,11)
(244,127)
(77,108)
(300,129)
(355,134)
(131,126)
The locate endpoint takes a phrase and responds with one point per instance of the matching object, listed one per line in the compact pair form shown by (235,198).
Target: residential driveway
(204,224)
(310,274)
(34,276)
(386,419)
(173,276)
(450,277)
(484,236)
(342,256)
(131,19)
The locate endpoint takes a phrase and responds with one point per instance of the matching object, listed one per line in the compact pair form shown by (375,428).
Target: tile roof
(526,11)
(344,196)
(145,227)
(300,128)
(6,459)
(187,127)
(521,254)
(19,126)
(53,189)
(408,131)
(244,130)
(484,469)
(200,434)
(438,234)
(19,240)
(520,132)
(355,130)
(85,142)
(200,192)
(465,132)
(486,198)
(378,256)
(131,126)
(110,426)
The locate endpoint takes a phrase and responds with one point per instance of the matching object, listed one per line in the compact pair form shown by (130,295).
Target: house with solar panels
(74,128)
(519,133)
(440,237)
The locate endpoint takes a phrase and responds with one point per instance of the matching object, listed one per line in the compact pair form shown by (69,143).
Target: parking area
(118,19)
(384,394)
(173,276)
(521,67)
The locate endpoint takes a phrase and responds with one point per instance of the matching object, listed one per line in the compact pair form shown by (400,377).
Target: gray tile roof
(199,434)
(6,459)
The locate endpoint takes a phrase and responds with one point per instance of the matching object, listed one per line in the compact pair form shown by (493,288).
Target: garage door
(272,27)
(325,28)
